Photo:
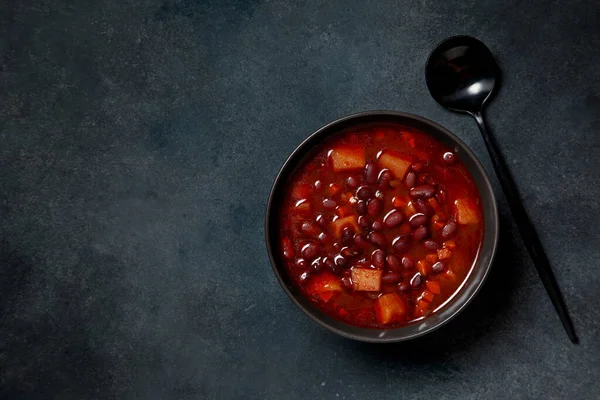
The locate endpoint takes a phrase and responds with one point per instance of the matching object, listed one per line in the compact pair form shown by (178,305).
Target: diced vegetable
(366,279)
(444,254)
(344,211)
(397,163)
(422,308)
(428,296)
(431,258)
(339,224)
(466,212)
(422,267)
(433,287)
(448,276)
(390,307)
(347,157)
(324,282)
(409,210)
(450,244)
(334,189)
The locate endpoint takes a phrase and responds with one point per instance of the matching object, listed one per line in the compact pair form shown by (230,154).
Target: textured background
(138,143)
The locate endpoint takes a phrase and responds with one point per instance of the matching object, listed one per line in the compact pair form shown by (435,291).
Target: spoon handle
(528,233)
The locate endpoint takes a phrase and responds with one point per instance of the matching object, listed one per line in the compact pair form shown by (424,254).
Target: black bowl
(476,276)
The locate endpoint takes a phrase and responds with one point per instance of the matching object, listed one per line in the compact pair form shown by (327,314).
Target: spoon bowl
(461,74)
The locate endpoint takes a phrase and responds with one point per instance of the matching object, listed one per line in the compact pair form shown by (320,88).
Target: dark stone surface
(138,143)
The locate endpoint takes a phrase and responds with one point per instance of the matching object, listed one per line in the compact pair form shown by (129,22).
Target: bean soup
(380,226)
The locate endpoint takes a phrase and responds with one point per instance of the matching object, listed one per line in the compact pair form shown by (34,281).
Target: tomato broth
(380,226)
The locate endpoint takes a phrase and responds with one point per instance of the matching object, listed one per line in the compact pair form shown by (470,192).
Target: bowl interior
(471,284)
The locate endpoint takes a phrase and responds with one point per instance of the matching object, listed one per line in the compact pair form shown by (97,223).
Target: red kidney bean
(401,244)
(330,204)
(449,158)
(449,229)
(403,287)
(423,207)
(352,182)
(377,226)
(360,240)
(416,280)
(370,173)
(438,267)
(348,252)
(374,207)
(423,191)
(407,263)
(364,221)
(347,282)
(320,219)
(340,261)
(310,250)
(431,244)
(347,236)
(316,266)
(378,239)
(384,179)
(287,247)
(337,246)
(441,196)
(310,229)
(318,185)
(379,194)
(391,277)
(418,219)
(417,166)
(301,263)
(410,180)
(324,238)
(333,267)
(420,233)
(378,259)
(303,277)
(364,193)
(361,207)
(393,218)
(393,262)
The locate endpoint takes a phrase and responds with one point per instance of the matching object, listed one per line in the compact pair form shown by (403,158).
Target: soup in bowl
(381,226)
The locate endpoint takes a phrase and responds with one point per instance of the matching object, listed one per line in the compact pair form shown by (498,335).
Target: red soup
(380,226)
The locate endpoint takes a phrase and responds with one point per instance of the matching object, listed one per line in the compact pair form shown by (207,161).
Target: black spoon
(461,74)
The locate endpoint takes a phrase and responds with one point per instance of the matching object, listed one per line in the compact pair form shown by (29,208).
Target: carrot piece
(347,157)
(449,276)
(334,189)
(433,287)
(438,224)
(366,279)
(422,307)
(450,244)
(344,211)
(431,258)
(397,163)
(399,201)
(422,267)
(288,248)
(444,254)
(339,224)
(428,296)
(390,307)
